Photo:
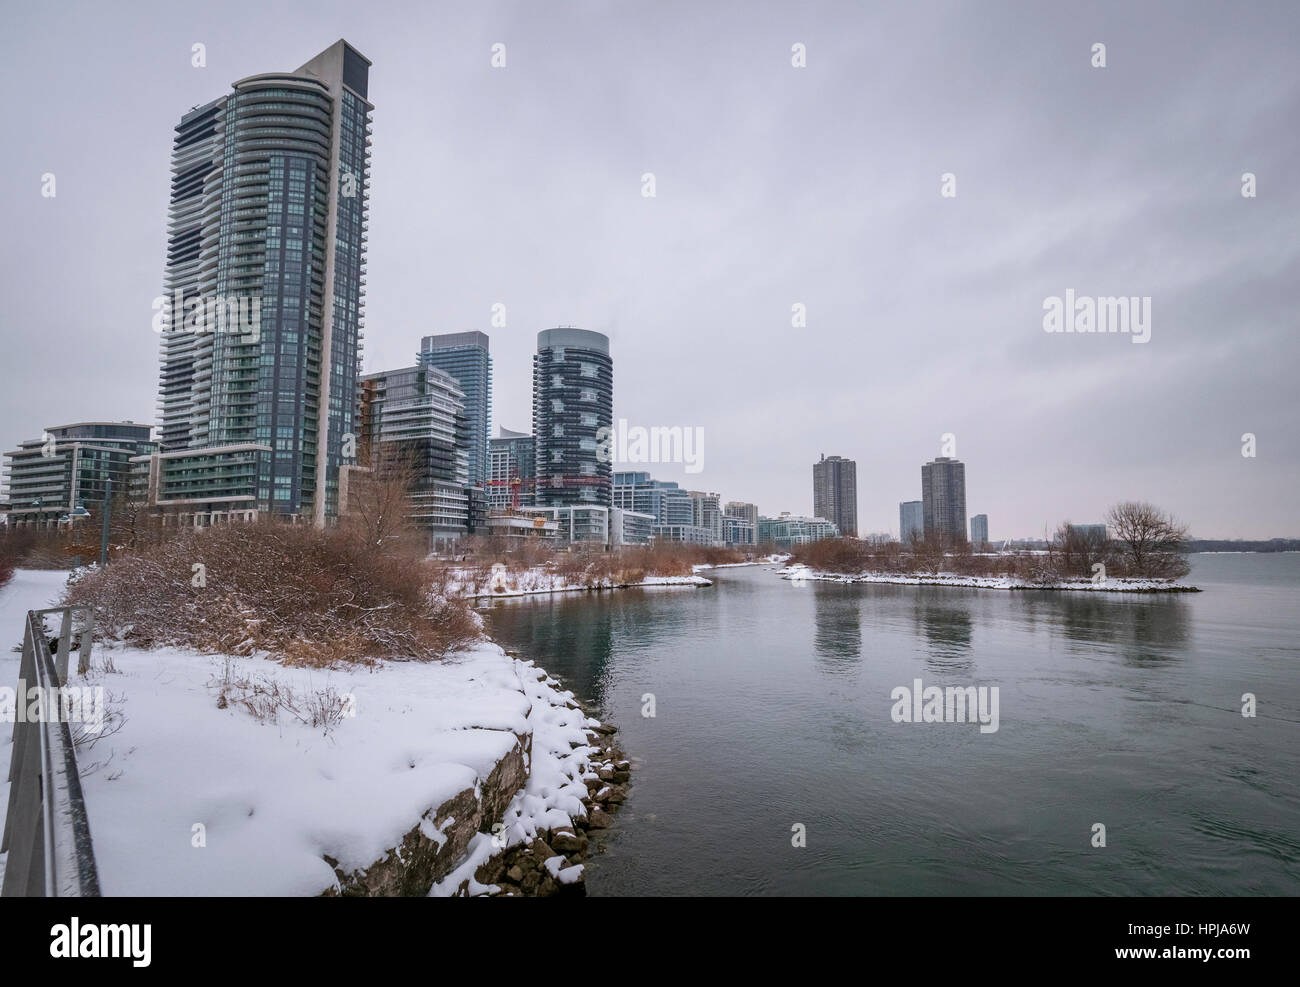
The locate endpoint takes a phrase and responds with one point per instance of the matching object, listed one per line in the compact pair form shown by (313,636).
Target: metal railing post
(47,832)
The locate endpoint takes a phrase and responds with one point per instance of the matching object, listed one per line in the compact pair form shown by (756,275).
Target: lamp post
(103,538)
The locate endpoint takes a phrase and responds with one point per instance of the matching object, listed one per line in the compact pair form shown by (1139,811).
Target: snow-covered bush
(308,596)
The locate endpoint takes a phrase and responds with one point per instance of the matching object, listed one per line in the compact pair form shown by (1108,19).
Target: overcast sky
(775,185)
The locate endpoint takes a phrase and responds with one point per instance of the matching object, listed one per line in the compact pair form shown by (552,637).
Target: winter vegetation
(290,591)
(1145,550)
(489,569)
(220,775)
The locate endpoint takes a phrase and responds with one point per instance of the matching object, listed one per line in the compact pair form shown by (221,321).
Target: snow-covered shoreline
(800,572)
(539,581)
(189,797)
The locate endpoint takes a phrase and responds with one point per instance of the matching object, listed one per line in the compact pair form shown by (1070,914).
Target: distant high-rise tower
(264,280)
(979,529)
(465,356)
(835,493)
(943,494)
(514,464)
(573,400)
(706,512)
(911,518)
(414,418)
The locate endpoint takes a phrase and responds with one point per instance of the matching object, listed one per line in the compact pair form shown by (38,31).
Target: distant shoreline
(648,583)
(800,573)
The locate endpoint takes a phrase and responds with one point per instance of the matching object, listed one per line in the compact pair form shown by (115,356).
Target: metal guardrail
(47,833)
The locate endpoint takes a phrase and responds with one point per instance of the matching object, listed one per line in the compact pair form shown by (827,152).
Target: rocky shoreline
(552,864)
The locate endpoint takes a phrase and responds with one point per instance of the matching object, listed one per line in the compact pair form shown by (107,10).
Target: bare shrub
(580,565)
(843,555)
(305,595)
(7,564)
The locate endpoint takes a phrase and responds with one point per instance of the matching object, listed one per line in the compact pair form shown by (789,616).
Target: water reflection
(569,636)
(1143,630)
(837,626)
(745,731)
(945,621)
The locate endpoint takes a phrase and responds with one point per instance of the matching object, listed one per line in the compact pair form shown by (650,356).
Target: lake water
(773,709)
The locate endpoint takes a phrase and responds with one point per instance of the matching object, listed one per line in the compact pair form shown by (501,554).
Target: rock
(542,850)
(530,882)
(605,774)
(616,795)
(599,819)
(490,871)
(621,765)
(548,886)
(439,840)
(604,729)
(622,777)
(515,874)
(577,888)
(565,842)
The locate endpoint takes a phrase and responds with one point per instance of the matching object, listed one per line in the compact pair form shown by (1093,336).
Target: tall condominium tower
(264,290)
(835,493)
(979,529)
(911,518)
(465,356)
(573,400)
(415,417)
(943,494)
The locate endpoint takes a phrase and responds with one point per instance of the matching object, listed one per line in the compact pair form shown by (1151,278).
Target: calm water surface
(773,708)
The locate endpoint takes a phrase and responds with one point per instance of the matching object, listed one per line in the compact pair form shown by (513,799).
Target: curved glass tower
(573,399)
(265,282)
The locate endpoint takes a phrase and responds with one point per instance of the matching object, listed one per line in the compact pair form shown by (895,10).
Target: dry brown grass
(588,567)
(303,595)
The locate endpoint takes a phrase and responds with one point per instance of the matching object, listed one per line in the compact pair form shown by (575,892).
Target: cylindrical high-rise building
(573,400)
(267,221)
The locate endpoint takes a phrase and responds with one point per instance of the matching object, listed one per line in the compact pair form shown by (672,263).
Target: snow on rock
(556,789)
(565,875)
(188,799)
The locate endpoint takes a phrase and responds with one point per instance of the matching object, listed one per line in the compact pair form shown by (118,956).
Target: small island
(1141,550)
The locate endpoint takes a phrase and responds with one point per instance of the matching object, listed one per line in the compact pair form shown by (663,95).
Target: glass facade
(267,226)
(573,401)
(465,356)
(70,466)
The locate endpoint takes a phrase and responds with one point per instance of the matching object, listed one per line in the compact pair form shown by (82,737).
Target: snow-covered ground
(539,579)
(800,572)
(272,798)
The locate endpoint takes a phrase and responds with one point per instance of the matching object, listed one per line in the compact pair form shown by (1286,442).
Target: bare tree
(1077,549)
(1149,541)
(132,522)
(379,499)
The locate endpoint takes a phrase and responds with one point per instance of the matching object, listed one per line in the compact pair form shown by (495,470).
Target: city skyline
(1058,426)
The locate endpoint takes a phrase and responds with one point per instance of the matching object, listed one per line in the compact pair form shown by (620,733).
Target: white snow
(271,798)
(539,579)
(800,572)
